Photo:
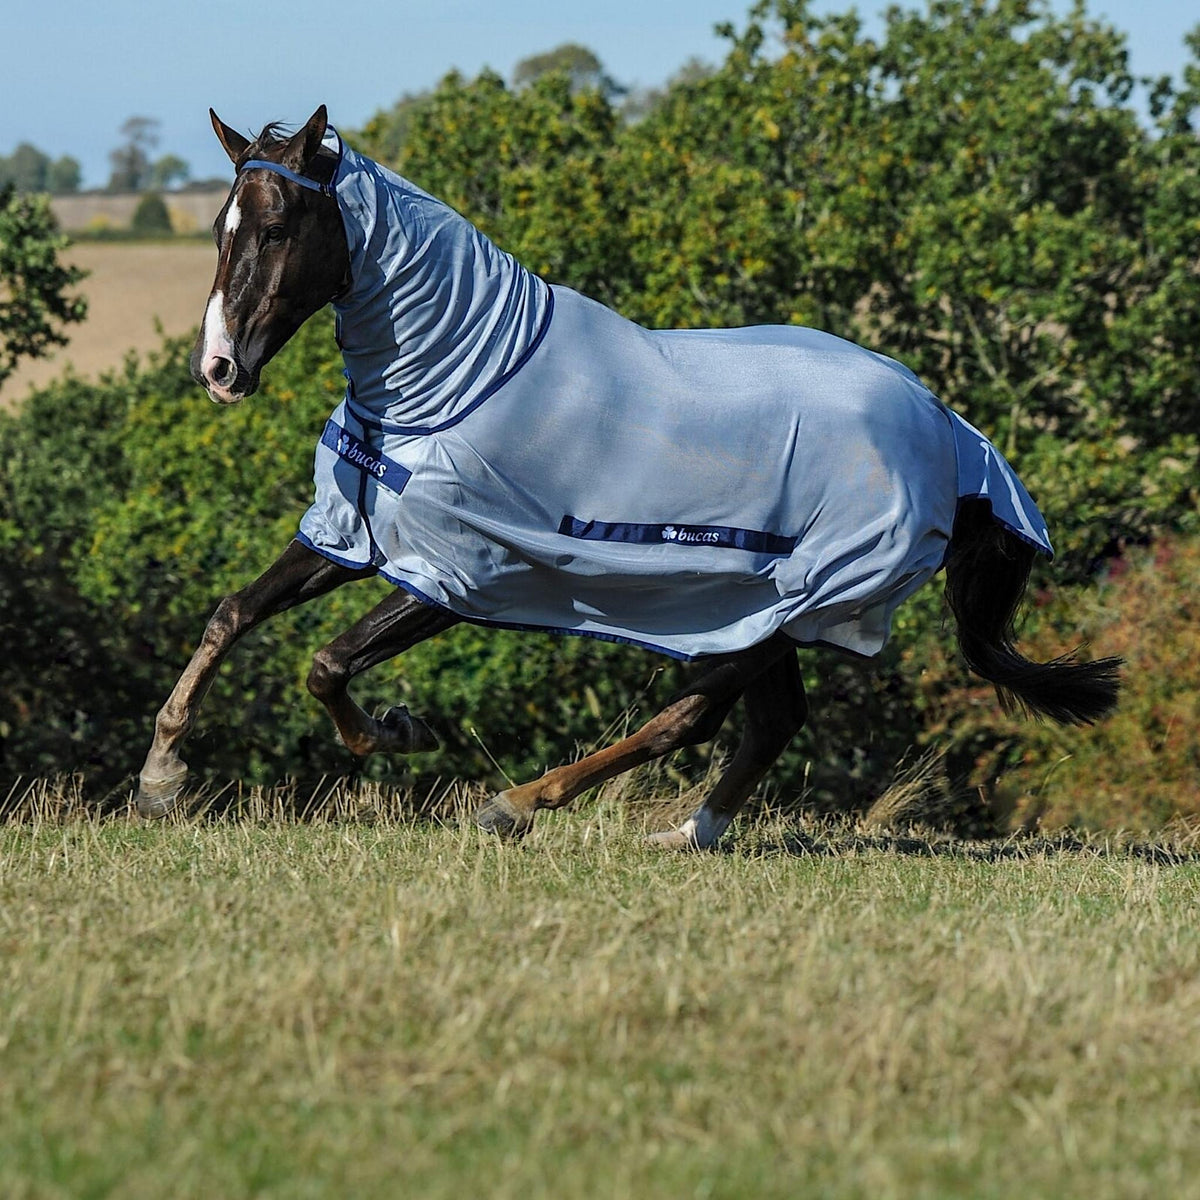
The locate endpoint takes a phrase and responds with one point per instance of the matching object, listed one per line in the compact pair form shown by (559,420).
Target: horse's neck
(436,314)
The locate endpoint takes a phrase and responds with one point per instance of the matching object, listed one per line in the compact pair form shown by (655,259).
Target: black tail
(986,573)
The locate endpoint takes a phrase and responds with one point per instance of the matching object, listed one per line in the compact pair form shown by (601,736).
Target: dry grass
(920,794)
(366,1002)
(132,288)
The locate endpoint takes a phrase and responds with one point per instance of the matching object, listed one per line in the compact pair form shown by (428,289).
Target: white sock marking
(703,828)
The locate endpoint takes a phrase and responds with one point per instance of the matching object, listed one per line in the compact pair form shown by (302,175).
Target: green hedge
(971,192)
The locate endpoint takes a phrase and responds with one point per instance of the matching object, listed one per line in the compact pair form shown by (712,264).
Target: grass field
(365,1003)
(131,288)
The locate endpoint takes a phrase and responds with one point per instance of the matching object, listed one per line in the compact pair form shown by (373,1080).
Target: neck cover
(526,457)
(436,314)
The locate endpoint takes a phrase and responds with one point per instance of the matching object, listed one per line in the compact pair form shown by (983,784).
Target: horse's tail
(987,570)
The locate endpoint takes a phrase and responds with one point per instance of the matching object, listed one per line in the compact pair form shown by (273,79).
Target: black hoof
(159,797)
(410,730)
(502,818)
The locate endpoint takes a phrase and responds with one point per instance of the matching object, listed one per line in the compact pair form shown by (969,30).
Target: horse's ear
(303,145)
(235,145)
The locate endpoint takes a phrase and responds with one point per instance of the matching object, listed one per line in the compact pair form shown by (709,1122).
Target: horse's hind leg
(693,716)
(776,709)
(297,575)
(391,627)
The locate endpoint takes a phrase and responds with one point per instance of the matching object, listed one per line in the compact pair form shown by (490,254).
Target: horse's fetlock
(552,794)
(359,744)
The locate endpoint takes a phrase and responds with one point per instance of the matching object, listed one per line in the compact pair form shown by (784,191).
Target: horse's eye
(275,234)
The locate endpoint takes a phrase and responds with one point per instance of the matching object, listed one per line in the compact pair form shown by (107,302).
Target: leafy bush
(34,305)
(1138,769)
(151,215)
(970,192)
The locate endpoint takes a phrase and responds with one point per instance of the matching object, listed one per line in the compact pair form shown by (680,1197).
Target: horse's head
(281,255)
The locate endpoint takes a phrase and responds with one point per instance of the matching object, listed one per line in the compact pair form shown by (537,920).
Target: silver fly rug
(526,457)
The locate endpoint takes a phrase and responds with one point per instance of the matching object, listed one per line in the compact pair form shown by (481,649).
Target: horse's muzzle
(223,380)
(221,372)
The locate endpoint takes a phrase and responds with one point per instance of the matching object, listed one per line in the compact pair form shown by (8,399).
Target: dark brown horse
(283,255)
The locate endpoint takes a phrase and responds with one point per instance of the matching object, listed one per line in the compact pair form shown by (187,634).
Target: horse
(511,453)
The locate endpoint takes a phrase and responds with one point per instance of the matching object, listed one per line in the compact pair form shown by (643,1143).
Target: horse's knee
(327,675)
(227,623)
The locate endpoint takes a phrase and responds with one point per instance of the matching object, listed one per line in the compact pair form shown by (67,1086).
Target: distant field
(130,286)
(369,1004)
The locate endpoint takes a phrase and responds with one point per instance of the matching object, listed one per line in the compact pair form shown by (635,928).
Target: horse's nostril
(222,372)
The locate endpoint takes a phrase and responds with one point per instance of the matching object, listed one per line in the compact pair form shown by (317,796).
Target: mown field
(133,290)
(368,1003)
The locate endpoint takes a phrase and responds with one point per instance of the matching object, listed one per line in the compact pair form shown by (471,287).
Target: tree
(385,134)
(28,169)
(65,175)
(34,306)
(131,168)
(1156,324)
(640,101)
(579,64)
(526,165)
(168,172)
(151,215)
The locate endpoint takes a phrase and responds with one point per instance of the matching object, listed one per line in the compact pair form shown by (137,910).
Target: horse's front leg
(297,575)
(391,627)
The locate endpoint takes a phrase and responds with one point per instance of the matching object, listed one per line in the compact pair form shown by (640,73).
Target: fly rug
(511,453)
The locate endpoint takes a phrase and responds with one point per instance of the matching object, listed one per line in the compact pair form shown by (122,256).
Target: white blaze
(217,343)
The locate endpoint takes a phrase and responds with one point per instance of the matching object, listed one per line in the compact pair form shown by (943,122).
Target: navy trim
(517,627)
(368,418)
(261,164)
(371,462)
(305,540)
(721,537)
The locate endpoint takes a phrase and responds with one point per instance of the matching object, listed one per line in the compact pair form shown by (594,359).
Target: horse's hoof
(503,818)
(406,728)
(701,831)
(673,839)
(158,797)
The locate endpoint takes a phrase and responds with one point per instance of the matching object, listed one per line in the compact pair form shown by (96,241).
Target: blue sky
(73,71)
